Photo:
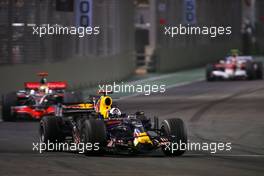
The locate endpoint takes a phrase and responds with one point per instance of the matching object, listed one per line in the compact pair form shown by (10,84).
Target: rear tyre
(250,70)
(8,101)
(259,71)
(174,129)
(209,72)
(93,133)
(49,130)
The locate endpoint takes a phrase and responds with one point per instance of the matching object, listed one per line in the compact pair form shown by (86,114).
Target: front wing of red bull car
(135,134)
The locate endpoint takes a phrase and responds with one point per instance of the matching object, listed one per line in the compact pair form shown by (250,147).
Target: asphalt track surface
(213,112)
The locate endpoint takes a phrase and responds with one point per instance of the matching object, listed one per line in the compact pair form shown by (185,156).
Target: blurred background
(131,39)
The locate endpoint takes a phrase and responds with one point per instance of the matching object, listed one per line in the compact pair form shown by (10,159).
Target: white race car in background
(235,67)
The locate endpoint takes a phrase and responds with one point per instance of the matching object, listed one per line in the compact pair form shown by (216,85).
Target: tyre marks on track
(208,106)
(199,114)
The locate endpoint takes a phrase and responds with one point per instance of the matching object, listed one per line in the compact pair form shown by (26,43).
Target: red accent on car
(57,85)
(34,113)
(229,66)
(113,122)
(32,85)
(51,85)
(43,74)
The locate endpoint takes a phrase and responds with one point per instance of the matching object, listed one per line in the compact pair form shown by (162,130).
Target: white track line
(167,87)
(18,24)
(227,155)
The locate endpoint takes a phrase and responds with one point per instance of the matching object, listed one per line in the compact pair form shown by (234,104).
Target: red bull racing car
(98,122)
(34,101)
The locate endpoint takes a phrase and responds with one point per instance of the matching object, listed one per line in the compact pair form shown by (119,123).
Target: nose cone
(142,138)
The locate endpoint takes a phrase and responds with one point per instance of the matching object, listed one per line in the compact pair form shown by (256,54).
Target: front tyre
(49,130)
(259,71)
(250,70)
(209,72)
(174,129)
(93,133)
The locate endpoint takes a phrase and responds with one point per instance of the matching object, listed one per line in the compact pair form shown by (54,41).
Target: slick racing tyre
(259,71)
(49,130)
(250,70)
(209,69)
(8,101)
(174,130)
(93,133)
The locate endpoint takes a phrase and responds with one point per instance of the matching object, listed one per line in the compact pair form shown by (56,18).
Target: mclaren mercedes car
(98,121)
(36,100)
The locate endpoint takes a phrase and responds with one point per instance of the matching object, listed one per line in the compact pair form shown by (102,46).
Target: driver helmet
(115,112)
(44,89)
(43,80)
